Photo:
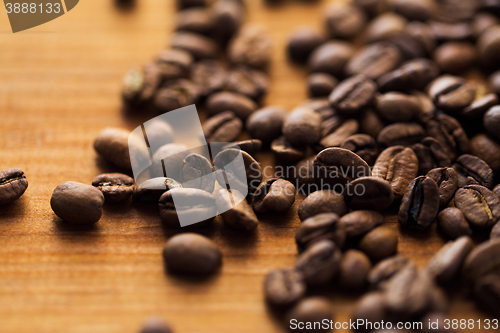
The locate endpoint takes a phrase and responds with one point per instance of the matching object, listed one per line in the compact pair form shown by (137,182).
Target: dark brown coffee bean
(155,325)
(228,16)
(339,135)
(173,64)
(447,182)
(399,166)
(487,148)
(424,34)
(450,133)
(236,212)
(454,31)
(428,110)
(209,75)
(379,243)
(344,20)
(360,222)
(495,231)
(321,84)
(487,293)
(196,20)
(352,94)
(197,172)
(152,189)
(354,269)
(323,201)
(492,121)
(191,254)
(223,127)
(77,203)
(13,184)
(408,46)
(455,57)
(404,134)
(480,206)
(285,152)
(284,287)
(198,45)
(176,94)
(453,224)
(414,74)
(372,7)
(488,45)
(420,204)
(397,107)
(483,102)
(241,105)
(496,190)
(473,171)
(385,269)
(342,165)
(265,124)
(374,60)
(252,146)
(371,193)
(331,58)
(116,187)
(309,310)
(320,262)
(370,123)
(451,93)
(420,10)
(384,25)
(182,4)
(273,195)
(168,159)
(333,123)
(483,21)
(244,181)
(494,81)
(251,47)
(483,259)
(249,82)
(371,307)
(112,145)
(302,42)
(139,85)
(319,227)
(431,154)
(302,127)
(363,145)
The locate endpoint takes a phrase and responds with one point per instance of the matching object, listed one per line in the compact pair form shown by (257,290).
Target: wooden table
(59,86)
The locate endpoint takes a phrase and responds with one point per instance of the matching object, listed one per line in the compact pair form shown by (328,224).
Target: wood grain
(59,86)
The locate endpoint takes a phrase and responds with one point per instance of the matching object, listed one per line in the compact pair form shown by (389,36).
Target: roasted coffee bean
(182,4)
(252,83)
(453,224)
(383,26)
(302,127)
(495,231)
(176,94)
(360,222)
(310,310)
(116,187)
(374,60)
(319,227)
(241,105)
(397,107)
(451,93)
(450,133)
(379,243)
(370,123)
(13,184)
(483,259)
(333,123)
(492,121)
(152,189)
(112,145)
(243,180)
(494,81)
(209,75)
(250,146)
(321,84)
(408,46)
(235,210)
(323,201)
(399,166)
(273,195)
(363,145)
(420,10)
(199,46)
(428,110)
(487,293)
(285,152)
(424,34)
(372,7)
(404,134)
(251,47)
(385,269)
(487,148)
(223,127)
(168,159)
(480,206)
(321,106)
(488,46)
(482,22)
(159,133)
(447,182)
(172,64)
(197,20)
(371,193)
(420,204)
(331,58)
(354,269)
(455,57)
(228,16)
(308,177)
(431,154)
(473,171)
(344,20)
(77,203)
(139,85)
(371,307)
(265,124)
(302,42)
(339,135)
(320,262)
(483,102)
(284,287)
(454,31)
(352,94)
(191,254)
(155,325)
(444,266)
(197,172)
(414,74)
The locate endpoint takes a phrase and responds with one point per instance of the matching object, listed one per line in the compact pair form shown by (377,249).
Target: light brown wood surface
(59,86)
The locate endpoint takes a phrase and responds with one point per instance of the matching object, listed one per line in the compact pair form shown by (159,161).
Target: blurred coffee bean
(480,206)
(197,20)
(152,189)
(302,42)
(312,309)
(318,227)
(112,145)
(451,93)
(483,259)
(420,204)
(428,110)
(431,154)
(320,262)
(252,146)
(223,127)
(448,131)
(481,104)
(420,10)
(168,159)
(228,16)
(487,293)
(447,182)
(384,25)
(174,64)
(491,121)
(455,57)
(182,4)
(176,94)
(473,171)
(488,46)
(359,222)
(371,193)
(370,123)
(385,269)
(352,94)
(116,187)
(372,7)
(371,307)
(249,82)
(210,76)
(235,210)
(339,135)
(242,180)
(13,184)
(354,269)
(397,107)
(414,74)
(488,149)
(451,31)
(241,105)
(322,201)
(424,34)
(321,84)
(251,47)
(401,134)
(344,20)
(496,190)
(331,58)
(284,287)
(495,231)
(379,243)
(198,45)
(494,81)
(482,21)
(285,152)
(363,145)
(302,127)
(374,60)
(265,124)
(197,172)
(273,195)
(155,325)
(453,224)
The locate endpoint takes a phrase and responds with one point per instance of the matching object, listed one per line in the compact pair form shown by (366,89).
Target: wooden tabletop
(59,86)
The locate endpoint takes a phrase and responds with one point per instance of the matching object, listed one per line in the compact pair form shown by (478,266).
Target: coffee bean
(424,34)
(487,148)
(494,81)
(420,204)
(384,25)
(319,227)
(319,263)
(241,105)
(483,259)
(451,31)
(182,4)
(140,85)
(397,165)
(339,135)
(481,105)
(360,222)
(371,193)
(197,20)
(275,195)
(331,58)
(496,190)
(354,269)
(172,64)
(374,60)
(487,293)
(152,189)
(450,133)
(321,106)
(321,84)
(116,187)
(251,47)
(488,45)
(209,75)
(155,325)
(77,203)
(428,110)
(252,83)
(176,94)
(265,124)
(323,201)
(308,177)
(344,20)
(283,288)
(415,10)
(334,122)
(408,46)
(385,269)
(480,206)
(228,17)
(379,243)
(473,171)
(371,307)
(451,93)
(302,42)
(158,133)
(372,7)
(483,21)
(112,145)
(302,127)
(252,146)
(223,127)
(285,152)
(191,254)
(492,121)
(199,46)
(495,231)
(363,145)
(397,107)
(310,310)
(197,172)
(168,159)
(404,134)
(455,57)
(414,74)
(370,123)
(13,184)
(453,224)
(431,154)
(447,182)
(235,210)
(244,181)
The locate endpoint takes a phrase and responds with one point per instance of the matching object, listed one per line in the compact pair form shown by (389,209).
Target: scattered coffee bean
(453,224)
(252,83)
(370,123)
(265,124)
(168,159)
(447,182)
(339,135)
(483,259)
(450,133)
(431,154)
(379,243)
(374,60)
(275,195)
(404,134)
(252,146)
(251,47)
(223,127)
(371,307)
(455,57)
(320,262)
(385,269)
(420,204)
(323,201)
(383,26)
(473,171)
(197,20)
(244,181)
(480,206)
(155,325)
(176,94)
(414,74)
(112,145)
(344,20)
(302,127)
(13,184)
(228,16)
(302,42)
(424,34)
(159,133)
(197,172)
(310,310)
(492,121)
(451,93)
(116,187)
(321,84)
(152,189)
(451,31)
(483,21)
(199,46)
(397,107)
(415,10)
(360,222)
(331,58)
(319,227)
(363,145)
(354,269)
(209,75)
(285,152)
(284,287)
(486,148)
(371,193)
(488,45)
(487,293)
(140,85)
(235,210)
(241,105)
(172,64)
